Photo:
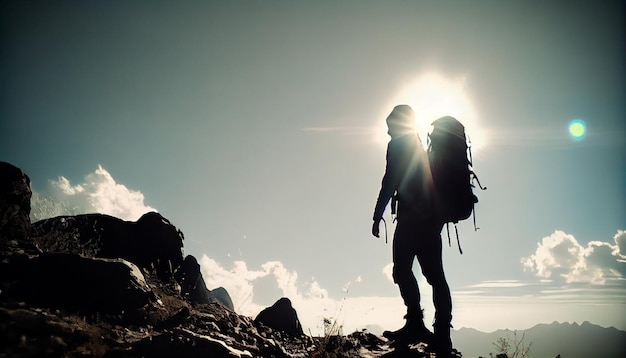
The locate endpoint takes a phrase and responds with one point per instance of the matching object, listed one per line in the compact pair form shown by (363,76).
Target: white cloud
(66,188)
(99,193)
(577,282)
(560,256)
(500,284)
(487,306)
(310,301)
(620,242)
(388,272)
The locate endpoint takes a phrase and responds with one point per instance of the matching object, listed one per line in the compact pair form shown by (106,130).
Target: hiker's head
(401,121)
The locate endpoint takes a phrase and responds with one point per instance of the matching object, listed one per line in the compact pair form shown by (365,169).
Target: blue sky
(257,128)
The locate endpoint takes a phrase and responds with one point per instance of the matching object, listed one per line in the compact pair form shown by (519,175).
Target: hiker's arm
(391,181)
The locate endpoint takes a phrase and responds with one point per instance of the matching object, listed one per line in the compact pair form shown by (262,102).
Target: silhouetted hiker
(417,234)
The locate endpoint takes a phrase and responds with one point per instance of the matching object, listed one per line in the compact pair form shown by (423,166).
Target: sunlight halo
(433,95)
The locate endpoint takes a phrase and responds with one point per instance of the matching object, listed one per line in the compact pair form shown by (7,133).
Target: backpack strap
(458,242)
(474,177)
(469,150)
(474,215)
(385,223)
(456,231)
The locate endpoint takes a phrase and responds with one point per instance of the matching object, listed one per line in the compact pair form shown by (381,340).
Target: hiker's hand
(376,228)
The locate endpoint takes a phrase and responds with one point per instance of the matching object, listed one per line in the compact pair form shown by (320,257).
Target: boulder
(223,297)
(185,343)
(194,289)
(164,239)
(281,316)
(86,285)
(192,285)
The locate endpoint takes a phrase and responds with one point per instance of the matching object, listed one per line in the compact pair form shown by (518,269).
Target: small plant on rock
(511,347)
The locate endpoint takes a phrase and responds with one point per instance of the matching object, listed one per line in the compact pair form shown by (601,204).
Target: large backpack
(451,168)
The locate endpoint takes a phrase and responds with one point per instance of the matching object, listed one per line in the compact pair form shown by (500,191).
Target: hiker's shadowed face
(401,121)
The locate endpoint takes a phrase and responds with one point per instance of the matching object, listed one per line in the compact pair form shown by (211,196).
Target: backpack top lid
(448,126)
(447,133)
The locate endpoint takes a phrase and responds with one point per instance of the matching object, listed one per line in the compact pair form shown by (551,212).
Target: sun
(433,95)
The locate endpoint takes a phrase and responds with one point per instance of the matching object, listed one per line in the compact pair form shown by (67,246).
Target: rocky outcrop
(85,285)
(15,194)
(151,243)
(223,297)
(193,287)
(98,286)
(192,284)
(281,316)
(164,239)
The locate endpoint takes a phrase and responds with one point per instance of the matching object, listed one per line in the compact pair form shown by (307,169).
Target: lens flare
(577,129)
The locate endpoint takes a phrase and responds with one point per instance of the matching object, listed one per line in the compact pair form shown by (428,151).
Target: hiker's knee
(394,273)
(401,273)
(434,275)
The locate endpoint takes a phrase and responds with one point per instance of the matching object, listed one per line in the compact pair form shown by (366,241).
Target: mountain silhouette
(570,340)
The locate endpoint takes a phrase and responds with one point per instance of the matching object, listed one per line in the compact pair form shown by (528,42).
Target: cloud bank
(310,300)
(560,257)
(98,193)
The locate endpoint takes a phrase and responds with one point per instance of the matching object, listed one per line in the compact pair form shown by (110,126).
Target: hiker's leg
(429,258)
(441,293)
(414,330)
(430,261)
(403,257)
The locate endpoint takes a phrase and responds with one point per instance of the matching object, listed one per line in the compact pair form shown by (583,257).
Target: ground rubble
(173,329)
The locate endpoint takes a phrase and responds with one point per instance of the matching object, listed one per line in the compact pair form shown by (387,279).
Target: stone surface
(84,285)
(281,316)
(223,297)
(192,284)
(151,242)
(193,287)
(15,195)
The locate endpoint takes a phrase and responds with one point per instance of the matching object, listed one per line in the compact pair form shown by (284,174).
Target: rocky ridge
(98,286)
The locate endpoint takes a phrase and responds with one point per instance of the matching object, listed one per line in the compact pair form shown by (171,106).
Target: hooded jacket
(405,174)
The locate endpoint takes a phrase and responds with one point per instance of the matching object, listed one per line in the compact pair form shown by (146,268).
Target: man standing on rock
(417,235)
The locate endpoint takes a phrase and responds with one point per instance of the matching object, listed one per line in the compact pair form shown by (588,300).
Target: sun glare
(432,96)
(577,129)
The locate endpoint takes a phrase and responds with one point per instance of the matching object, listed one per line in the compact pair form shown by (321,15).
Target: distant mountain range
(569,340)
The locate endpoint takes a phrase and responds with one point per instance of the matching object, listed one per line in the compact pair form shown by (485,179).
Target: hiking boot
(441,344)
(412,332)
